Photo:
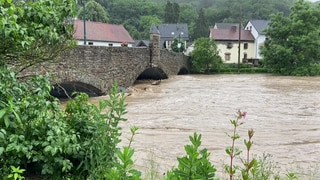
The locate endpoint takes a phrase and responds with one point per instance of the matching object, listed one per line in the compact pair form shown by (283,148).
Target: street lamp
(84,22)
(179,44)
(179,40)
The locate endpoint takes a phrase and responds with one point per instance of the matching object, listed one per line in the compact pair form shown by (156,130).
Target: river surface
(283,111)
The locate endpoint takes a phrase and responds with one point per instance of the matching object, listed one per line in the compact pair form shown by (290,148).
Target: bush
(195,165)
(41,138)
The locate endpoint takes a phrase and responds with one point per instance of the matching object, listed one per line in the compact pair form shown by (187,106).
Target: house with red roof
(102,34)
(227,40)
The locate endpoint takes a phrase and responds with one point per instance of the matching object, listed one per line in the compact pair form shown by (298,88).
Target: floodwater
(283,111)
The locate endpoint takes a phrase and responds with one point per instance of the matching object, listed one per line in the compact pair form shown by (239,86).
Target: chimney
(233,28)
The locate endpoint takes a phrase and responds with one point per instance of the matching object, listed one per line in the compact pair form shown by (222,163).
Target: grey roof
(260,25)
(154,30)
(170,31)
(226,25)
(142,43)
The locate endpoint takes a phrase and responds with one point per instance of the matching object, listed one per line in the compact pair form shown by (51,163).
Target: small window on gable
(90,43)
(110,45)
(227,56)
(229,45)
(245,46)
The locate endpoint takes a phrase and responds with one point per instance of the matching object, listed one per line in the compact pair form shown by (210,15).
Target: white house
(102,34)
(257,27)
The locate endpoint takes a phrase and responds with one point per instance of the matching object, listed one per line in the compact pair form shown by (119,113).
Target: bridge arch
(183,70)
(71,81)
(154,73)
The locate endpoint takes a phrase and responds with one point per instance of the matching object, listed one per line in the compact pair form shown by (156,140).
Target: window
(245,46)
(90,43)
(227,56)
(110,45)
(245,58)
(229,45)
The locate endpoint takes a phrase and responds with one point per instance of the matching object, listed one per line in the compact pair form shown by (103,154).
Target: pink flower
(244,114)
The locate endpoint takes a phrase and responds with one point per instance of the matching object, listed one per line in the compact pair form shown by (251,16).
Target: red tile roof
(97,31)
(230,34)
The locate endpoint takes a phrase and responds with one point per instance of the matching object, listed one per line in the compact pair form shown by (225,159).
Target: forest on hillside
(138,15)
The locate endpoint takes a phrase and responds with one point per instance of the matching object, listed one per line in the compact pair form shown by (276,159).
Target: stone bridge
(93,69)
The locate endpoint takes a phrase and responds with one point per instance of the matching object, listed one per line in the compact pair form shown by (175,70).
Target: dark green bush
(37,135)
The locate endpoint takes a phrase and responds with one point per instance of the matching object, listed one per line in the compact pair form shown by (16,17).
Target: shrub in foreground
(38,136)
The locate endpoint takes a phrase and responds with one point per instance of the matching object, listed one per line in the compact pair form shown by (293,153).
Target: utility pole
(84,23)
(239,40)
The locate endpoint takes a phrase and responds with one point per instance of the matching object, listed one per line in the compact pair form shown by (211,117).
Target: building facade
(102,34)
(227,41)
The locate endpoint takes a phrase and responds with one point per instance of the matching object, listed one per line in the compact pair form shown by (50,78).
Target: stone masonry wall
(99,66)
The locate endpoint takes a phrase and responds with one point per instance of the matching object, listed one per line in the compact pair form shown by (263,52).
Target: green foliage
(124,169)
(205,56)
(98,131)
(171,13)
(128,13)
(201,26)
(292,47)
(233,151)
(195,165)
(176,43)
(34,31)
(32,135)
(16,173)
(37,135)
(94,12)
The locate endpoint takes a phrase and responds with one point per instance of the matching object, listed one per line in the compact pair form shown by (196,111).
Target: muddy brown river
(283,111)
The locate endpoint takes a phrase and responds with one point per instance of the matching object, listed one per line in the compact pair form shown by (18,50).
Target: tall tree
(294,41)
(172,12)
(205,56)
(35,31)
(94,12)
(201,28)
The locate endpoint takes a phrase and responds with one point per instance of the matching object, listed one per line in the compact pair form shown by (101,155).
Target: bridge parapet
(99,67)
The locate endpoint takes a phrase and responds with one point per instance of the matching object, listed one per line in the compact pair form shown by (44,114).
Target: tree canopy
(205,56)
(94,12)
(33,32)
(130,12)
(293,42)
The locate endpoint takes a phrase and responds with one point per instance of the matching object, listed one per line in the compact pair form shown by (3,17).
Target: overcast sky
(313,0)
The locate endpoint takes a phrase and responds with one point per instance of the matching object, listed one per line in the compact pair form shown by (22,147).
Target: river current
(283,111)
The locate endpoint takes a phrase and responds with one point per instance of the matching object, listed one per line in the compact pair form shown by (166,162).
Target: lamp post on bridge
(179,44)
(84,22)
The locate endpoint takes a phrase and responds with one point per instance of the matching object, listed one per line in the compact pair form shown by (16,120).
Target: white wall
(223,49)
(97,43)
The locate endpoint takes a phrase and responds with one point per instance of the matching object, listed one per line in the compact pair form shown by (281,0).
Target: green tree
(145,24)
(201,28)
(188,15)
(33,32)
(205,56)
(293,44)
(94,12)
(178,45)
(171,12)
(130,13)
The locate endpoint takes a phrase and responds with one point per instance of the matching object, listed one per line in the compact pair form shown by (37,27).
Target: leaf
(1,150)
(2,112)
(6,121)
